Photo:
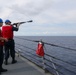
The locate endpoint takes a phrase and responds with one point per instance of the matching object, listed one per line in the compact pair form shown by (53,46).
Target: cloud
(32,8)
(42,11)
(45,14)
(5,13)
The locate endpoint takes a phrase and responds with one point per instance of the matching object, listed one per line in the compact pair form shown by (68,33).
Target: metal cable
(50,55)
(60,59)
(47,44)
(61,66)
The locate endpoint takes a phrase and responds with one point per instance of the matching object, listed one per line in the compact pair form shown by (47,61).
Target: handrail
(59,59)
(26,46)
(50,55)
(47,43)
(60,66)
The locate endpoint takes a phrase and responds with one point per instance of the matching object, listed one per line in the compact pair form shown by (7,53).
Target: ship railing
(49,62)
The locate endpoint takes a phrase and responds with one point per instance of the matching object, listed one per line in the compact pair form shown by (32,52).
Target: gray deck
(23,67)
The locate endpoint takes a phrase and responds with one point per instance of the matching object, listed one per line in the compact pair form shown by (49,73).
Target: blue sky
(50,17)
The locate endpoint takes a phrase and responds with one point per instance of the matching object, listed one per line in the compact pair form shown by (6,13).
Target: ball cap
(1,21)
(6,21)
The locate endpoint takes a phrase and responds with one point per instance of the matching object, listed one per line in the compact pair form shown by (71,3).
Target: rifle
(22,22)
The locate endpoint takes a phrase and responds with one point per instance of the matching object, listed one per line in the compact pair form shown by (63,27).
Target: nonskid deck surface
(23,67)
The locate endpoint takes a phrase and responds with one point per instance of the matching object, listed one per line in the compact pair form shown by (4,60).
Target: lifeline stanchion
(43,58)
(44,65)
(40,52)
(53,64)
(43,62)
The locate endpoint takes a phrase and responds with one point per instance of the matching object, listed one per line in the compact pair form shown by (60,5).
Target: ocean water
(61,53)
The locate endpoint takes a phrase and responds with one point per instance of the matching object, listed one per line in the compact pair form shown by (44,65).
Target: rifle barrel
(22,22)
